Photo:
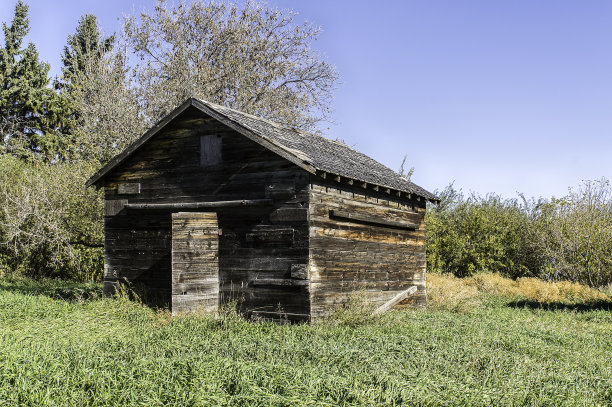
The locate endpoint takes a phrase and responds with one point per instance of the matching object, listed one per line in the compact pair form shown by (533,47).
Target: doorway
(195,262)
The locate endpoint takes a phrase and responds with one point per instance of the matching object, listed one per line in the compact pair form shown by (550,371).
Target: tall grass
(84,350)
(445,291)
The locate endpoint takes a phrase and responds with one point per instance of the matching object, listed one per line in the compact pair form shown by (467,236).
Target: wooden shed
(214,205)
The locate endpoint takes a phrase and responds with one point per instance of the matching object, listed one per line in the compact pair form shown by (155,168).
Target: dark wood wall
(361,260)
(263,250)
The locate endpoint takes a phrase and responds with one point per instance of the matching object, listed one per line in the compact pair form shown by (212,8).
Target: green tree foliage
(50,225)
(99,104)
(558,239)
(467,235)
(30,112)
(108,112)
(575,235)
(85,45)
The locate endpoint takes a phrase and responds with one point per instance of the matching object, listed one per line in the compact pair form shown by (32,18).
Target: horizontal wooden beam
(279,282)
(198,205)
(365,218)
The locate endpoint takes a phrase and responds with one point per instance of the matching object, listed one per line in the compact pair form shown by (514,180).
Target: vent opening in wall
(210,150)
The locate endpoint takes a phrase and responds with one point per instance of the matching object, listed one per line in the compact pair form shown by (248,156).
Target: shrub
(50,224)
(560,239)
(575,233)
(475,234)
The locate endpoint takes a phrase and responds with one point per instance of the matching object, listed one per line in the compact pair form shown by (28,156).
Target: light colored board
(114,206)
(195,262)
(131,188)
(395,300)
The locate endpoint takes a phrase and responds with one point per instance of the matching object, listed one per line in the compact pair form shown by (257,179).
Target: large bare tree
(252,58)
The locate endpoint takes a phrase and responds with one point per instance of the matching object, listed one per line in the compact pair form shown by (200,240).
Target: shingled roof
(314,153)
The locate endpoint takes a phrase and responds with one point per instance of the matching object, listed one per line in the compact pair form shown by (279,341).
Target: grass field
(482,342)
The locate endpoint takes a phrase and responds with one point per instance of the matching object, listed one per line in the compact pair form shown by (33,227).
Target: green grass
(62,344)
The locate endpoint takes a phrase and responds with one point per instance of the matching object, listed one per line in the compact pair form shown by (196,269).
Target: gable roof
(315,154)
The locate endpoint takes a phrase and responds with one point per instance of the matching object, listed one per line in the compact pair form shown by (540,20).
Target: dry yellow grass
(445,291)
(494,284)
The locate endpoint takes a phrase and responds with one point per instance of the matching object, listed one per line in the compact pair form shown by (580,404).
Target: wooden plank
(279,282)
(299,271)
(289,215)
(131,188)
(365,218)
(195,242)
(114,206)
(210,150)
(271,233)
(395,300)
(280,190)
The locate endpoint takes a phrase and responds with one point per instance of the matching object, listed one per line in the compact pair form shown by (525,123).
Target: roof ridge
(386,177)
(276,124)
(252,116)
(310,151)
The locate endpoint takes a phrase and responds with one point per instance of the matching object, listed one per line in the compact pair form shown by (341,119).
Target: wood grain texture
(368,219)
(286,258)
(128,188)
(210,150)
(373,262)
(395,300)
(257,242)
(195,262)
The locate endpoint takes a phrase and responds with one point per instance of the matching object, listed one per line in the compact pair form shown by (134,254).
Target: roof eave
(429,197)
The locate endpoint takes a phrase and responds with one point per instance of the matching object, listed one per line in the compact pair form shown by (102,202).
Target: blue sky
(495,96)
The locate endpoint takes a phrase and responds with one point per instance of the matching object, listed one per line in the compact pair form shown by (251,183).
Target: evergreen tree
(82,54)
(83,48)
(29,110)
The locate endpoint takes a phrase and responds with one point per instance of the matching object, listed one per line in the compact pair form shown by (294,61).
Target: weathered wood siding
(260,247)
(195,262)
(354,260)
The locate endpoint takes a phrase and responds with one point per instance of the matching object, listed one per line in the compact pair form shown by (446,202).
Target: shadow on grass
(53,288)
(598,305)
